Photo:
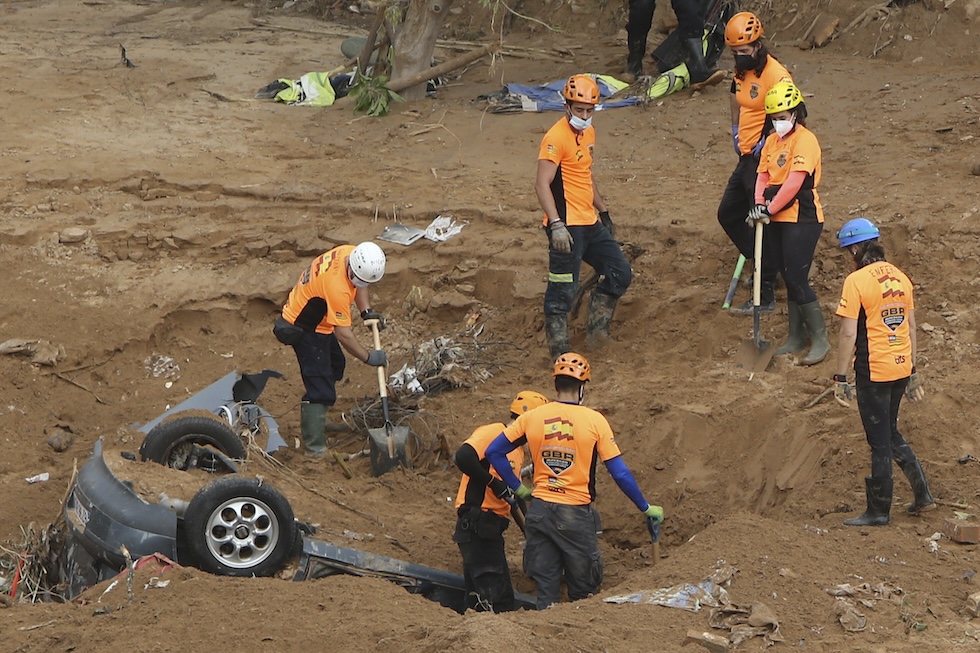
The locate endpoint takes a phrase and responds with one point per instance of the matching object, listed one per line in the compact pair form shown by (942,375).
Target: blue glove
(656,513)
(738,152)
(757,150)
(523,492)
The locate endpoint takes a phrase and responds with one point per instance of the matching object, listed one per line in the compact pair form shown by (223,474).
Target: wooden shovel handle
(382,375)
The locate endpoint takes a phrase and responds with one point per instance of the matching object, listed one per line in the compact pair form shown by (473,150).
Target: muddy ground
(199,206)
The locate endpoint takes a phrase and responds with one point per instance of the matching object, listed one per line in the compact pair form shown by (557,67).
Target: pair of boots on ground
(696,64)
(805,320)
(601,309)
(314,423)
(879,496)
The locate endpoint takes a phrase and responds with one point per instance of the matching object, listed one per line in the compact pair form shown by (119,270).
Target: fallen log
(398,85)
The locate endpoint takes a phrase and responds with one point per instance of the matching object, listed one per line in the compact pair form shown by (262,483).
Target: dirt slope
(202,205)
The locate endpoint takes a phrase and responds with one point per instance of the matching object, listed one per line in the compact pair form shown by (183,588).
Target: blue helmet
(856,231)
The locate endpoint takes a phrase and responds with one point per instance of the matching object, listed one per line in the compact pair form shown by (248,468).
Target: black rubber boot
(313,426)
(797,332)
(767,301)
(695,61)
(922,501)
(879,495)
(556,331)
(817,328)
(634,59)
(601,309)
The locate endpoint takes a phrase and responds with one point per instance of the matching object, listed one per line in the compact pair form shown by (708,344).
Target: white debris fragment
(38,478)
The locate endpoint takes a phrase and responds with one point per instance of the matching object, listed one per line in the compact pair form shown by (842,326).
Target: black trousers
(596,246)
(791,246)
(738,198)
(321,364)
(878,403)
(690,24)
(480,537)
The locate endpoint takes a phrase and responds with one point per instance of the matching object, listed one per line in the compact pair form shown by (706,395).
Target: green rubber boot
(313,426)
(797,332)
(817,328)
(556,331)
(601,309)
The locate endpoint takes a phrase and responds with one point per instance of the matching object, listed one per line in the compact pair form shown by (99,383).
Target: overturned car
(232,526)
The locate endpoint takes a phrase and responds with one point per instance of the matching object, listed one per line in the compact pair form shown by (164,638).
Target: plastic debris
(38,478)
(443,228)
(709,592)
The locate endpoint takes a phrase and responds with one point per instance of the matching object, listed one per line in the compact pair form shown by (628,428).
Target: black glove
(377,358)
(370,314)
(607,222)
(500,489)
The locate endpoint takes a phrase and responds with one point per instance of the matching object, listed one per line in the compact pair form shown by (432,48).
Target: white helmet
(367,262)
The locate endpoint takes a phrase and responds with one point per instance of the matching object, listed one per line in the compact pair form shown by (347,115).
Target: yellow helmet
(527,400)
(743,28)
(783,97)
(581,88)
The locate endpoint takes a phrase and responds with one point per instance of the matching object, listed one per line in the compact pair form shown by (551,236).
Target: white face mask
(579,124)
(783,127)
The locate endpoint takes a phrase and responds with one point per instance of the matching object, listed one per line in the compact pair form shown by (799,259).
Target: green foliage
(372,96)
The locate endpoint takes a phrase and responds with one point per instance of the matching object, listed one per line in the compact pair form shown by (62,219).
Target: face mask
(579,124)
(783,127)
(745,61)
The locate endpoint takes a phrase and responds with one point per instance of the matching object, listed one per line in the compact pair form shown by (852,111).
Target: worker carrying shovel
(316,322)
(565,440)
(483,506)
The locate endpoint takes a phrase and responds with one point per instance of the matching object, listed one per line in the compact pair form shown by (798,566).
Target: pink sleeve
(789,189)
(761,181)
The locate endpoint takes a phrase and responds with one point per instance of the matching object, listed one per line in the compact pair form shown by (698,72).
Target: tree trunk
(415,40)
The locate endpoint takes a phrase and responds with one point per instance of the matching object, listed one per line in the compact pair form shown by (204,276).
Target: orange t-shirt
(879,297)
(566,441)
(480,440)
(750,93)
(799,151)
(326,279)
(572,185)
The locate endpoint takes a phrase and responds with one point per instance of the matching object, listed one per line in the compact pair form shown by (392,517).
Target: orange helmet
(573,365)
(581,88)
(527,400)
(743,28)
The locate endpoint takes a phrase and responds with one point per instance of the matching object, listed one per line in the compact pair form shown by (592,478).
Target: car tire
(170,443)
(237,526)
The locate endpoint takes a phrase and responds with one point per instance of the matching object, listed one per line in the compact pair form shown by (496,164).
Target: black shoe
(748,308)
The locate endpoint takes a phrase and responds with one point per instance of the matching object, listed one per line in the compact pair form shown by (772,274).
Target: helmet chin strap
(581,393)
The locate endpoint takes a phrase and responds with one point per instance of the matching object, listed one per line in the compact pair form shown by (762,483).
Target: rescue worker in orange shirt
(756,71)
(877,311)
(316,322)
(569,197)
(483,513)
(786,200)
(566,440)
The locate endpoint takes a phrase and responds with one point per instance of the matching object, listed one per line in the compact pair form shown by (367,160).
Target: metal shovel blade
(388,448)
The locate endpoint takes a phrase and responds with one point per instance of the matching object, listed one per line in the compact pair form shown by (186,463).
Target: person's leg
(542,557)
(906,459)
(563,276)
(606,257)
(637,29)
(799,243)
(485,568)
(580,553)
(738,198)
(316,369)
(874,405)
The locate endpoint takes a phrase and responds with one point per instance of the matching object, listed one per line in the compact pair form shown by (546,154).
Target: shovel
(756,353)
(654,527)
(388,443)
